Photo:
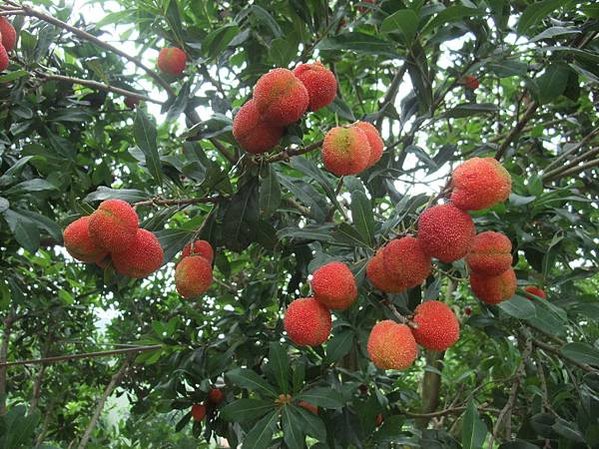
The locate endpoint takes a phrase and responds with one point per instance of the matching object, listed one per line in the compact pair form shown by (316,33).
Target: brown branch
(547,347)
(8,322)
(585,140)
(447,411)
(573,168)
(389,97)
(286,154)
(516,130)
(178,202)
(100,43)
(86,355)
(96,85)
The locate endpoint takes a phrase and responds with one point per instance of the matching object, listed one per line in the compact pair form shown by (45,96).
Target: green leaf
(340,344)
(474,430)
(219,39)
(469,109)
(582,353)
(43,222)
(11,76)
(552,32)
(519,307)
(104,193)
(30,186)
(359,43)
(246,410)
(518,444)
(282,52)
(361,211)
(246,378)
(348,235)
(452,14)
(145,135)
(553,82)
(535,12)
(241,215)
(25,232)
(261,434)
(405,21)
(279,364)
(293,433)
(312,423)
(265,17)
(270,192)
(322,397)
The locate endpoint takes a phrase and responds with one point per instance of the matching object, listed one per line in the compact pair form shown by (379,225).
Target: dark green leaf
(474,430)
(535,12)
(246,378)
(146,139)
(322,397)
(270,192)
(553,82)
(246,410)
(293,429)
(279,364)
(405,21)
(104,193)
(359,43)
(261,434)
(582,353)
(469,109)
(362,215)
(340,344)
(518,307)
(25,232)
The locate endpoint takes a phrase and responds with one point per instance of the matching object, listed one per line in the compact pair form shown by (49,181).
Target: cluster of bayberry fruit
(8,39)
(215,398)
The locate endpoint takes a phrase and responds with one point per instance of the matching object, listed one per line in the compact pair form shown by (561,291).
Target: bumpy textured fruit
(471,82)
(480,183)
(536,291)
(374,139)
(307,322)
(392,345)
(494,289)
(334,286)
(491,253)
(345,151)
(193,276)
(9,34)
(80,245)
(4,61)
(446,232)
(198,412)
(280,97)
(141,258)
(172,60)
(200,248)
(378,276)
(320,83)
(310,407)
(131,102)
(216,396)
(252,132)
(114,225)
(406,262)
(438,327)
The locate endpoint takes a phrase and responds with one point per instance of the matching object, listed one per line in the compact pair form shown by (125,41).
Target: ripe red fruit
(379,420)
(446,232)
(172,60)
(334,286)
(307,322)
(471,82)
(310,407)
(345,151)
(193,276)
(392,345)
(9,34)
(4,61)
(198,412)
(131,102)
(252,132)
(320,83)
(378,276)
(374,139)
(536,291)
(113,226)
(494,289)
(200,248)
(438,327)
(406,262)
(280,97)
(80,245)
(480,183)
(491,253)
(216,396)
(143,257)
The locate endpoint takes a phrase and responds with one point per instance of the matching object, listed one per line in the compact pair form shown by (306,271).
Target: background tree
(444,82)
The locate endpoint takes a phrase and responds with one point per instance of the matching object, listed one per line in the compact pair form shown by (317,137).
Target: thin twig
(569,169)
(516,130)
(178,202)
(286,154)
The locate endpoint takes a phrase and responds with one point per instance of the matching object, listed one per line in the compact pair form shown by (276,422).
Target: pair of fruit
(395,346)
(113,231)
(280,98)
(8,39)
(193,274)
(215,398)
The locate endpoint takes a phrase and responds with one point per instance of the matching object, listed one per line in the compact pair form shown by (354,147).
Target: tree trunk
(114,381)
(8,322)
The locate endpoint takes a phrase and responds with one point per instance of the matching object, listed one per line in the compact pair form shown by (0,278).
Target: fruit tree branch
(177,202)
(391,94)
(516,130)
(287,153)
(584,141)
(549,348)
(573,167)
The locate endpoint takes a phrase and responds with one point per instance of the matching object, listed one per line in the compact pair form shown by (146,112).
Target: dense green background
(525,372)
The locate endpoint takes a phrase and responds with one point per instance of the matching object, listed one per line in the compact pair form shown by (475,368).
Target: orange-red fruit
(494,289)
(480,183)
(252,132)
(374,139)
(405,262)
(280,97)
(334,286)
(131,102)
(310,407)
(80,245)
(4,61)
(172,60)
(491,253)
(307,322)
(536,291)
(471,82)
(216,396)
(320,83)
(198,412)
(378,276)
(9,34)
(345,151)
(200,248)
(141,258)
(392,345)
(114,225)
(438,327)
(193,276)
(446,232)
